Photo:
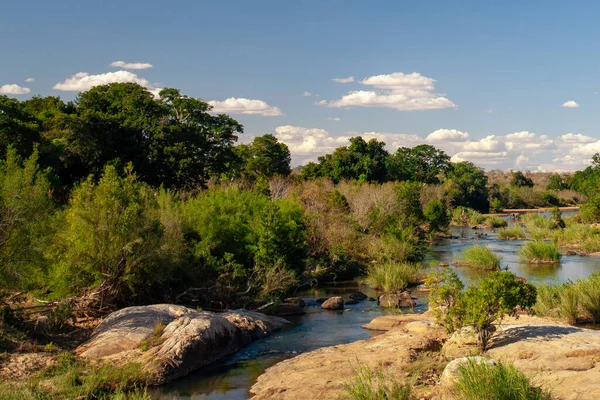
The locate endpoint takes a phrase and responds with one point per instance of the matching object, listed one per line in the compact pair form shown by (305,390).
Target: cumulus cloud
(13,89)
(29,80)
(125,65)
(400,91)
(307,94)
(234,105)
(570,104)
(576,138)
(442,135)
(349,79)
(83,81)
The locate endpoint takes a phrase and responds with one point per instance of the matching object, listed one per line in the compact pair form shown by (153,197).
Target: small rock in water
(358,296)
(396,300)
(333,303)
(321,300)
(295,300)
(372,299)
(350,301)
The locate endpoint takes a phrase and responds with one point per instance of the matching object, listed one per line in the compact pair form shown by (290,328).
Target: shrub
(495,296)
(369,385)
(463,216)
(520,180)
(477,381)
(391,277)
(446,288)
(539,252)
(478,256)
(511,232)
(495,222)
(435,212)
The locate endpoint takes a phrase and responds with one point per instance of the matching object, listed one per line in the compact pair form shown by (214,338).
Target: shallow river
(233,378)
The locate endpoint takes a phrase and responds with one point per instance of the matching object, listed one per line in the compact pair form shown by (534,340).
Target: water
(232,378)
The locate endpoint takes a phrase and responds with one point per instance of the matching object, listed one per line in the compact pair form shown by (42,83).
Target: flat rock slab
(188,340)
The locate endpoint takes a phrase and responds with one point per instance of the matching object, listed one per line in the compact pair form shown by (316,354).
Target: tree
(422,163)
(520,180)
(437,215)
(468,186)
(557,182)
(18,128)
(480,306)
(264,157)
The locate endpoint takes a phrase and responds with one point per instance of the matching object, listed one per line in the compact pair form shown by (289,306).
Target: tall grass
(589,297)
(369,385)
(392,276)
(511,232)
(479,381)
(584,237)
(568,303)
(547,301)
(538,226)
(539,252)
(495,222)
(482,257)
(464,216)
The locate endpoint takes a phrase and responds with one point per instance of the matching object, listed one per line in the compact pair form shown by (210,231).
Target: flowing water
(232,378)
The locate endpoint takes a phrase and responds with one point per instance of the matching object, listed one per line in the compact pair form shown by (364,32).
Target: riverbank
(560,358)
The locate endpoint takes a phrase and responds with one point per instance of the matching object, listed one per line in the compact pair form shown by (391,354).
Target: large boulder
(396,300)
(452,370)
(462,343)
(171,341)
(333,303)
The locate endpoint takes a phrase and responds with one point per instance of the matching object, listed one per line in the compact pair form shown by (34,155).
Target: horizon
(506,86)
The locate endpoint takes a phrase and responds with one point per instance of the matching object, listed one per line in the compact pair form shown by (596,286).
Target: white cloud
(488,110)
(123,64)
(576,138)
(234,105)
(83,81)
(571,104)
(307,94)
(334,118)
(349,79)
(403,92)
(481,157)
(13,89)
(451,135)
(29,80)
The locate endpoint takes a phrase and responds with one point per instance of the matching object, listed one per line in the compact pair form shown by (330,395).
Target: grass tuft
(539,252)
(511,232)
(391,276)
(495,222)
(477,381)
(482,257)
(463,216)
(370,385)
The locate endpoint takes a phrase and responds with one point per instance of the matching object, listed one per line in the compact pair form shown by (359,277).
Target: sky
(506,85)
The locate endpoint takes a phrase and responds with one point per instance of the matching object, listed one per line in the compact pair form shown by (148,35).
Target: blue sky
(471,69)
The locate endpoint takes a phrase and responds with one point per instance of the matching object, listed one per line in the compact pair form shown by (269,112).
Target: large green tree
(264,157)
(422,163)
(467,186)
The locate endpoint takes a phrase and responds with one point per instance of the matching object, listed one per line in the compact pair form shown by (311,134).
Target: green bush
(463,216)
(437,215)
(495,222)
(477,381)
(482,257)
(539,252)
(391,277)
(511,232)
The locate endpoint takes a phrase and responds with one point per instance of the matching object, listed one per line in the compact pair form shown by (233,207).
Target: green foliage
(468,185)
(590,211)
(446,289)
(408,197)
(390,277)
(478,381)
(422,163)
(495,222)
(520,180)
(463,216)
(25,208)
(511,232)
(437,215)
(539,252)
(71,379)
(557,183)
(478,256)
(370,385)
(264,157)
(480,306)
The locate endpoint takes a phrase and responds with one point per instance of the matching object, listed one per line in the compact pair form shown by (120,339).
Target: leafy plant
(370,385)
(539,252)
(479,256)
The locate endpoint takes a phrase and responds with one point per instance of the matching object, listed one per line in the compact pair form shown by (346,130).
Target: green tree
(265,157)
(557,182)
(520,180)
(18,128)
(422,163)
(467,186)
(26,205)
(437,215)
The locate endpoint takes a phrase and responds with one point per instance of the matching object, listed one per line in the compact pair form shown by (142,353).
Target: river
(232,378)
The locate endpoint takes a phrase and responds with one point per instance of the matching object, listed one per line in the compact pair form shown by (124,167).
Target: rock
(350,301)
(321,300)
(333,303)
(571,253)
(444,265)
(396,300)
(189,339)
(452,370)
(462,343)
(215,297)
(287,309)
(295,300)
(372,298)
(360,296)
(256,305)
(41,325)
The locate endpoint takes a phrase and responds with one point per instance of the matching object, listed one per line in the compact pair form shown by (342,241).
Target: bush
(477,381)
(482,257)
(520,180)
(463,216)
(446,289)
(369,385)
(435,212)
(539,252)
(511,232)
(481,305)
(391,277)
(495,222)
